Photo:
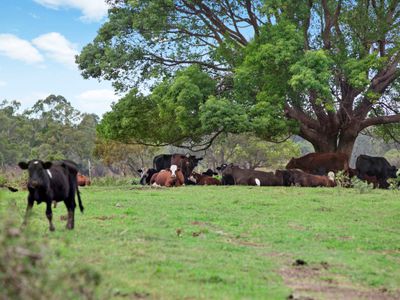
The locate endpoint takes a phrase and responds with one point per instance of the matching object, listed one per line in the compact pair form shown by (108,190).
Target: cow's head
(145,175)
(221,168)
(194,177)
(39,173)
(210,173)
(227,170)
(393,172)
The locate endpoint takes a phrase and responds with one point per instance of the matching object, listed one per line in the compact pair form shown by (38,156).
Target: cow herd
(58,181)
(311,170)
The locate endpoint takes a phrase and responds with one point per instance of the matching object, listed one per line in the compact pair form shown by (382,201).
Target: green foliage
(171,114)
(51,130)
(362,186)
(312,73)
(269,68)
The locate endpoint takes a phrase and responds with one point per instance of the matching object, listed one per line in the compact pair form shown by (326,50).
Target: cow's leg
(70,204)
(28,210)
(49,215)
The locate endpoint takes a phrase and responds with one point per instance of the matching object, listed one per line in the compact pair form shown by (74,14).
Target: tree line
(52,129)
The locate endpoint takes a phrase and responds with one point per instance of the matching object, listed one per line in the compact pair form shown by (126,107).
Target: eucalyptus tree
(323,69)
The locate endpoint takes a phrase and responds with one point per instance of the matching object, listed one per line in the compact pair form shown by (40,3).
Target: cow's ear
(23,165)
(47,165)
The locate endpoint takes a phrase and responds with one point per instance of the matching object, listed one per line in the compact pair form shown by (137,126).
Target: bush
(25,273)
(342,179)
(362,186)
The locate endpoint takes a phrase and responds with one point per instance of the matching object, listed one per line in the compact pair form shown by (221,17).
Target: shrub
(362,186)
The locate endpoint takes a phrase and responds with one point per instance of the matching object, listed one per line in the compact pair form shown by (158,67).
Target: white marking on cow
(173,169)
(258,182)
(35,162)
(192,179)
(48,172)
(331,176)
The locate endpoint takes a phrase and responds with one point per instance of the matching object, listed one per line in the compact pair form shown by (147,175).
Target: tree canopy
(325,70)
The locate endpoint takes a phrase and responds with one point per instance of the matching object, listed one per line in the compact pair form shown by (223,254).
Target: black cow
(52,181)
(375,166)
(145,175)
(210,173)
(186,163)
(225,179)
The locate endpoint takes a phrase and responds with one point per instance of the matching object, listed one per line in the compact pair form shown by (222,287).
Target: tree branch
(380,120)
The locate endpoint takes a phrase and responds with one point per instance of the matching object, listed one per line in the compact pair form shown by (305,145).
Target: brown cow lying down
(200,179)
(82,180)
(320,163)
(250,177)
(297,177)
(168,177)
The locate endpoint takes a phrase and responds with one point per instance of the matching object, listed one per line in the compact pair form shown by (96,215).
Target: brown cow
(200,179)
(82,180)
(249,177)
(320,163)
(298,177)
(168,177)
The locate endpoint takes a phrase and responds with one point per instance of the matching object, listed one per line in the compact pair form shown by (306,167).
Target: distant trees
(52,129)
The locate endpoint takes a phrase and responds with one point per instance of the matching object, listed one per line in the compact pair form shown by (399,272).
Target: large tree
(325,69)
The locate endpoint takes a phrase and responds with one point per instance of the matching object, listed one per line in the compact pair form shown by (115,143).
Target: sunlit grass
(225,242)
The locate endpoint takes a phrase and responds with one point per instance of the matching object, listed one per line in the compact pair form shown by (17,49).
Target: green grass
(234,241)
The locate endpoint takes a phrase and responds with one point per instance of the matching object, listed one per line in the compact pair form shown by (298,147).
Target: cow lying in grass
(168,177)
(241,176)
(201,179)
(300,178)
(52,181)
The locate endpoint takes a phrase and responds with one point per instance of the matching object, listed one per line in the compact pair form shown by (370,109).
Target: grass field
(230,242)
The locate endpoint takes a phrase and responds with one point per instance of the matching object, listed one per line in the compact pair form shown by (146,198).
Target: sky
(38,42)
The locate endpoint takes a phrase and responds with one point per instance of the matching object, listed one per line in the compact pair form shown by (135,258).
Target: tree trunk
(343,144)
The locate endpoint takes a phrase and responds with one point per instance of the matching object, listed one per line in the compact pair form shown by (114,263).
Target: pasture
(229,242)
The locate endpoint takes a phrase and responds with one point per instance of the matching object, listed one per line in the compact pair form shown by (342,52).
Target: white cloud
(96,101)
(19,49)
(57,47)
(92,10)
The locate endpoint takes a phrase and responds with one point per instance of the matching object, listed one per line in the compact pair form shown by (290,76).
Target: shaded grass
(225,242)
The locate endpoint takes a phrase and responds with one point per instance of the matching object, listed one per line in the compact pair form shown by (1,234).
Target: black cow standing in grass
(369,166)
(52,181)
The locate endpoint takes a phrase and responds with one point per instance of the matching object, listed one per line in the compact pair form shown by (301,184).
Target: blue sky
(38,41)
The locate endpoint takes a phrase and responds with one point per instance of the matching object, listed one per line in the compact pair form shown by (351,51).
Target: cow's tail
(79,199)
